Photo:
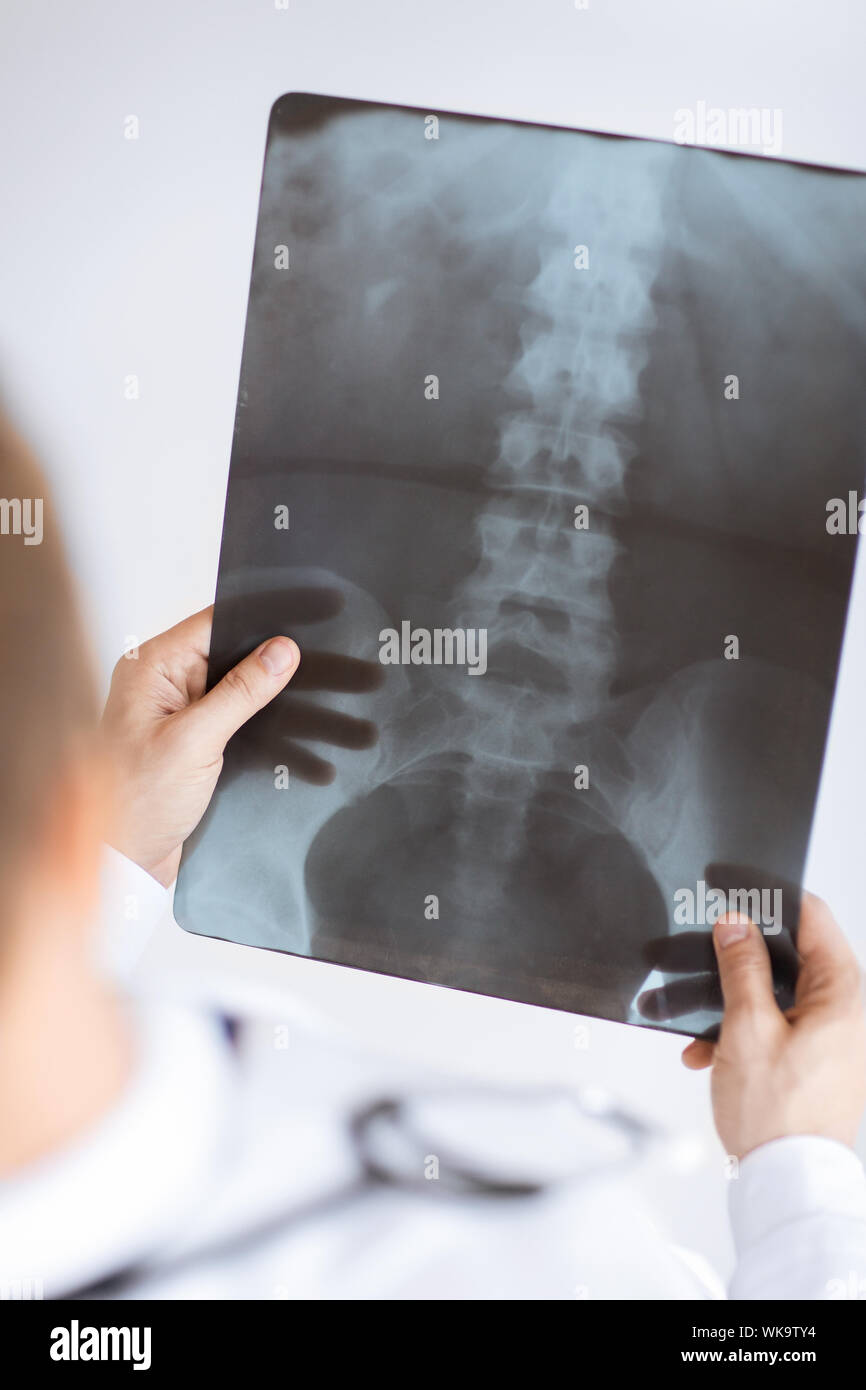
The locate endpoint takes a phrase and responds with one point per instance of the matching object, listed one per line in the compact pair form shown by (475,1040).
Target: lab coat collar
(119,1192)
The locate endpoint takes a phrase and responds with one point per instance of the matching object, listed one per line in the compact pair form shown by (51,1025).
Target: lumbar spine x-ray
(537,443)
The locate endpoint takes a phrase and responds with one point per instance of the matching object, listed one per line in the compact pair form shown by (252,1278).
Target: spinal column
(541,584)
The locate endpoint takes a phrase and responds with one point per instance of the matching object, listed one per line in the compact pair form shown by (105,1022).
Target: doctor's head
(52,789)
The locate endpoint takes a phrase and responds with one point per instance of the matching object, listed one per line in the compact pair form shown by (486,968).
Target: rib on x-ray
(546,452)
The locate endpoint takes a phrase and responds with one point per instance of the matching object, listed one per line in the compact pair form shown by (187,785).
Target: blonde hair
(47,690)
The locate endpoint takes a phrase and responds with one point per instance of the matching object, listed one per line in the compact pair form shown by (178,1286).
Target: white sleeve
(131,905)
(798,1213)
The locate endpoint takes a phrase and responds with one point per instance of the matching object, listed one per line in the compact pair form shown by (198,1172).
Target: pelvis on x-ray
(536,443)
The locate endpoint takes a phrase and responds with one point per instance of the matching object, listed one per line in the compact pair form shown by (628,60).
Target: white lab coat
(227,1170)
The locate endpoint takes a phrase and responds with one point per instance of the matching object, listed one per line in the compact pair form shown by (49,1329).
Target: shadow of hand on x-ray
(279,732)
(689,956)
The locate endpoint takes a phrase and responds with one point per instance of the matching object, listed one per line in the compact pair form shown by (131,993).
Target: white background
(133,257)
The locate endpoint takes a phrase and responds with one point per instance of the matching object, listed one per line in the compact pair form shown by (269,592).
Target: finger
(323,725)
(693,953)
(244,690)
(299,761)
(699,1055)
(744,967)
(829,970)
(307,767)
(276,608)
(330,671)
(681,953)
(298,719)
(680,997)
(244,621)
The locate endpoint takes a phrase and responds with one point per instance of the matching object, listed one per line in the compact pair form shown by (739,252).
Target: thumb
(244,690)
(744,966)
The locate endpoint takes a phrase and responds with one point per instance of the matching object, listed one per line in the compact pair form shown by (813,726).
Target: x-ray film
(548,452)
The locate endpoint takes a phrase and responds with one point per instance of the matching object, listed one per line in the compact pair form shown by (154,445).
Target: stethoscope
(398,1147)
(457,1142)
